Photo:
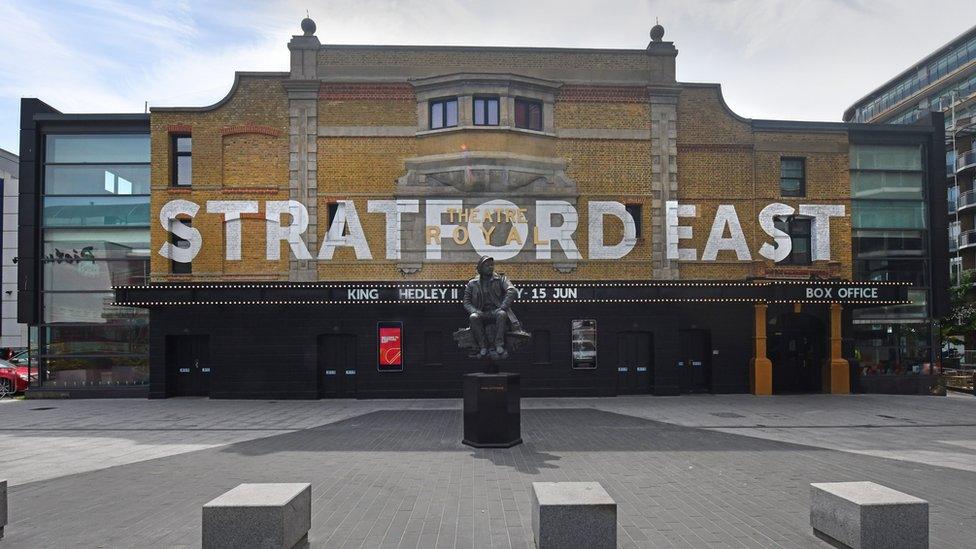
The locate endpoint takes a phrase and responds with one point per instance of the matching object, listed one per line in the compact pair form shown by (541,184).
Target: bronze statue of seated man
(488,299)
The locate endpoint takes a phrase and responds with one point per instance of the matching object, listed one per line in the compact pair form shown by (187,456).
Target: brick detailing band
(603,94)
(714,147)
(251,128)
(178,128)
(378,92)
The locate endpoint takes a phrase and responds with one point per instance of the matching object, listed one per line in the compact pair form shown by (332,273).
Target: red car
(13,379)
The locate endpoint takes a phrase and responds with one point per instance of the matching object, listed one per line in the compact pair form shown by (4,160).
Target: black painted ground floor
(321,351)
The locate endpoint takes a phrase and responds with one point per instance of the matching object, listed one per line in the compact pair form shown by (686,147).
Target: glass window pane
(94,308)
(90,274)
(184,144)
(184,170)
(493,112)
(86,244)
(894,185)
(96,211)
(436,115)
(95,148)
(892,348)
(479,112)
(521,114)
(77,372)
(535,117)
(104,179)
(451,118)
(876,244)
(790,187)
(891,270)
(875,214)
(886,157)
(99,339)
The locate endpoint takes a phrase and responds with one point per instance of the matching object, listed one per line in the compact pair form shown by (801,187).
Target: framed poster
(584,344)
(389,336)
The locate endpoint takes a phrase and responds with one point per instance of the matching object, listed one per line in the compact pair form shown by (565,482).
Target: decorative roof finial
(657,31)
(308,26)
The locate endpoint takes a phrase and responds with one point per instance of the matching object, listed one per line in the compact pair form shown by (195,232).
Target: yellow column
(760,367)
(839,374)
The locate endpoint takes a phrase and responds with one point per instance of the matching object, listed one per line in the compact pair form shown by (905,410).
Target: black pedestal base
(492,410)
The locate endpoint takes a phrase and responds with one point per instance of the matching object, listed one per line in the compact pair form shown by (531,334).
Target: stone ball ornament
(308,26)
(657,33)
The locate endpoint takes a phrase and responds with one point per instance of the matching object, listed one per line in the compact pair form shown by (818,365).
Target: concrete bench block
(865,515)
(573,514)
(3,506)
(259,515)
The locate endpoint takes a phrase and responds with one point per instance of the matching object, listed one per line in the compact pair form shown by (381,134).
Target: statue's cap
(483,259)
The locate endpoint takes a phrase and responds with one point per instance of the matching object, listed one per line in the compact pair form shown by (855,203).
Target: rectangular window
(799,230)
(182,167)
(485,111)
(888,214)
(107,179)
(96,148)
(389,346)
(76,244)
(443,113)
(635,212)
(333,209)
(886,185)
(528,114)
(584,344)
(540,347)
(433,345)
(792,177)
(96,211)
(177,267)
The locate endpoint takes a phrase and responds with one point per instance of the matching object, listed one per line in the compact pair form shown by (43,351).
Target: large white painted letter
(232,210)
(674,233)
(767,220)
(820,227)
(346,217)
(435,230)
(168,219)
(597,249)
(563,234)
(736,241)
(393,210)
(292,232)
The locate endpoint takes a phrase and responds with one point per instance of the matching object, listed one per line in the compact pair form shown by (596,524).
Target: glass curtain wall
(95,235)
(890,224)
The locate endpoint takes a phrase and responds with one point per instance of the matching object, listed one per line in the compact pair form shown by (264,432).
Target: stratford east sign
(498,228)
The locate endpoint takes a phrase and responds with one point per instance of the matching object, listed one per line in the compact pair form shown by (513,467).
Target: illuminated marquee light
(475,227)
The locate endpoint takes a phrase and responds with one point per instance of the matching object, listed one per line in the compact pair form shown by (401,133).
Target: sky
(777,59)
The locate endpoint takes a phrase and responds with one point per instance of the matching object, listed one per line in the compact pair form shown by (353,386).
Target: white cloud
(797,59)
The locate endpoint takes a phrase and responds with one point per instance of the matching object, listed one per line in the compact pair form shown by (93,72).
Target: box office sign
(498,228)
(389,339)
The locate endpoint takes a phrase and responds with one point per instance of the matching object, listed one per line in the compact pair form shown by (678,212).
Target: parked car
(13,379)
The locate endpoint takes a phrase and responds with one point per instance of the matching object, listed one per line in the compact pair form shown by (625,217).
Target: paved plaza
(694,471)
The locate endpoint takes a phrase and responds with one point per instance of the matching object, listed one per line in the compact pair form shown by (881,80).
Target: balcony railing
(967,240)
(966,200)
(966,161)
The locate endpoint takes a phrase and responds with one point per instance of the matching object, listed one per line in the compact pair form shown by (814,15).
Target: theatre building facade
(309,235)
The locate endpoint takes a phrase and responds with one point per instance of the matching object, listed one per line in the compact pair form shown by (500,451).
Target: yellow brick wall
(226,166)
(721,161)
(719,156)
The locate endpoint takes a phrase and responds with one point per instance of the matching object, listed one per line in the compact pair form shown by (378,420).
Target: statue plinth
(492,410)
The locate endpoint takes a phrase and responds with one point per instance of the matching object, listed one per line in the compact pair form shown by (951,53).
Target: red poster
(391,346)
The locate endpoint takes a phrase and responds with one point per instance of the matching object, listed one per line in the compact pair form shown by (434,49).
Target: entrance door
(635,352)
(695,365)
(188,359)
(797,345)
(337,366)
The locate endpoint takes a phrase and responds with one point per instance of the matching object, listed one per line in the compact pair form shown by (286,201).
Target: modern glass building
(89,179)
(944,81)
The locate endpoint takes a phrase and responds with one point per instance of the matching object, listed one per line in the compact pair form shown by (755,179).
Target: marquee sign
(381,293)
(498,228)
